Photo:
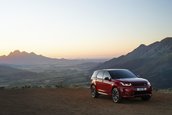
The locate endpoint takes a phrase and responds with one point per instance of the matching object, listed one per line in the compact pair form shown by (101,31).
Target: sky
(82,28)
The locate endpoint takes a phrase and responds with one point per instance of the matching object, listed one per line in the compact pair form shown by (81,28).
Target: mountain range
(17,57)
(24,58)
(153,62)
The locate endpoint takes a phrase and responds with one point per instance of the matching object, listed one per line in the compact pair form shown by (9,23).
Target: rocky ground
(75,101)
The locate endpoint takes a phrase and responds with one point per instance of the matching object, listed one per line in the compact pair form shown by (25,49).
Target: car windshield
(120,74)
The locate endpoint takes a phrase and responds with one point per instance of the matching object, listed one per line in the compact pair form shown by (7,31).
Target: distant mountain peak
(167,40)
(19,53)
(18,57)
(154,50)
(141,46)
(14,53)
(22,57)
(32,53)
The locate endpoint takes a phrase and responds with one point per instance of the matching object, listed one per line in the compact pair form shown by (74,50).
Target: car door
(107,84)
(99,81)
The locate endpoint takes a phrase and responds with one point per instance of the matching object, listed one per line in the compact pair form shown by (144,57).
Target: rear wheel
(146,98)
(94,92)
(116,95)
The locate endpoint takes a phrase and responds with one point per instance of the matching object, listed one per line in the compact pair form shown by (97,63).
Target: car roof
(110,69)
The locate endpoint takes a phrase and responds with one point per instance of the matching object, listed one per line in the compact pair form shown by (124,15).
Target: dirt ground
(67,101)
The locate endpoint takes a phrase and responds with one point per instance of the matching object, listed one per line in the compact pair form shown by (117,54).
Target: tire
(146,98)
(116,96)
(94,92)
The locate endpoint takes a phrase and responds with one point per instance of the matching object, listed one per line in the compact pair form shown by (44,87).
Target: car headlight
(125,84)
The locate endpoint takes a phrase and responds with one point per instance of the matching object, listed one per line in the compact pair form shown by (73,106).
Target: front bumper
(129,92)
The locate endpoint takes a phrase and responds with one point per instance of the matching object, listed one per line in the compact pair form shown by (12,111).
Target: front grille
(139,84)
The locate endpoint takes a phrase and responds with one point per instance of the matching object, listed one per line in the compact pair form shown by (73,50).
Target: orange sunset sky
(82,28)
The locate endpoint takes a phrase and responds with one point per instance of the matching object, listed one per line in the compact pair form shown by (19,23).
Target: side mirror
(107,78)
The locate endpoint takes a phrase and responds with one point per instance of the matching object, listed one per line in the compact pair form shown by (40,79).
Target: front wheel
(116,95)
(94,93)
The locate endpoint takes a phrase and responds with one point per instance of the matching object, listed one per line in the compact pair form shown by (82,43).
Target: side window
(94,75)
(106,74)
(100,75)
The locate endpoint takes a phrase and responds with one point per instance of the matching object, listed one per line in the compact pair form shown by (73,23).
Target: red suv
(119,83)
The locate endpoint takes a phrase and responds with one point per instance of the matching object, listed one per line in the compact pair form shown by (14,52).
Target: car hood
(133,80)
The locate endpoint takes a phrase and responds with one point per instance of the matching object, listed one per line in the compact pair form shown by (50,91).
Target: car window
(120,74)
(100,75)
(94,75)
(106,74)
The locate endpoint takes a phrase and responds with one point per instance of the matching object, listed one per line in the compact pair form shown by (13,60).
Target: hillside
(9,73)
(153,62)
(11,77)
(68,101)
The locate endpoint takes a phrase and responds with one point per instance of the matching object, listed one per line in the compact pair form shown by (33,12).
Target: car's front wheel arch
(116,96)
